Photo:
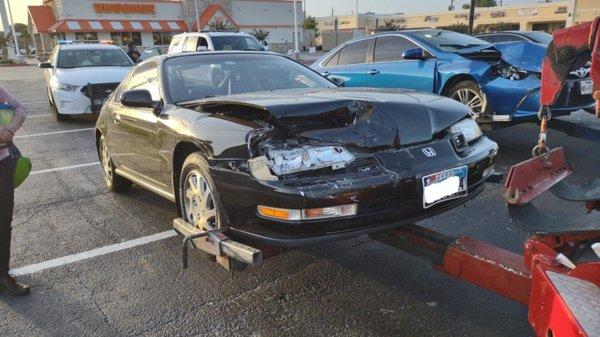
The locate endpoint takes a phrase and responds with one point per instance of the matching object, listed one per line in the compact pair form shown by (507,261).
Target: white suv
(191,42)
(80,76)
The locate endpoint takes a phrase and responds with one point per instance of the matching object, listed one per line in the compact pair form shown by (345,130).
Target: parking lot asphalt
(356,287)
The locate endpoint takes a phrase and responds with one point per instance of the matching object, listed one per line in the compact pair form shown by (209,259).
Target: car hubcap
(198,201)
(470,98)
(106,165)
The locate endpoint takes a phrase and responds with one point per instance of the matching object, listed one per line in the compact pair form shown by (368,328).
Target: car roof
(164,57)
(95,46)
(213,34)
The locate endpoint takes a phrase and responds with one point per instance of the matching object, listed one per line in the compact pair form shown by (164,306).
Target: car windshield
(77,58)
(449,41)
(236,43)
(193,77)
(539,37)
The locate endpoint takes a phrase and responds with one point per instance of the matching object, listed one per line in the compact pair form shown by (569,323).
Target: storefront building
(153,23)
(539,17)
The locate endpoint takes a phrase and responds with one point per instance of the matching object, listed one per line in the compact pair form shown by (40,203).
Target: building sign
(561,10)
(527,12)
(498,14)
(431,19)
(120,8)
(465,16)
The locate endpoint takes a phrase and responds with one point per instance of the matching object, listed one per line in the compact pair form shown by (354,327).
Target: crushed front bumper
(387,197)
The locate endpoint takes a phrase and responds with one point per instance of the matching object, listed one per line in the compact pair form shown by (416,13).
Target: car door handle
(373,72)
(117,119)
(326,74)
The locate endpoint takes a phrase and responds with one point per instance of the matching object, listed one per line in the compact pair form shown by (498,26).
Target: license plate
(586,87)
(445,185)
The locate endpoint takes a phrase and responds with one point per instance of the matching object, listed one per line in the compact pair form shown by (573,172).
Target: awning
(118,26)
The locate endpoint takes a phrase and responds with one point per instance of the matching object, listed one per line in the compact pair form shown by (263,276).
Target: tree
(260,35)
(466,6)
(4,44)
(390,25)
(220,25)
(485,3)
(311,23)
(495,27)
(23,36)
(458,27)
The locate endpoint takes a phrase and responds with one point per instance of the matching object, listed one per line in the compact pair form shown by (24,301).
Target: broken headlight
(468,128)
(512,73)
(308,158)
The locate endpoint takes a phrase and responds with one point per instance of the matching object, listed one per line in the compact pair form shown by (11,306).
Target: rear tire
(468,93)
(113,181)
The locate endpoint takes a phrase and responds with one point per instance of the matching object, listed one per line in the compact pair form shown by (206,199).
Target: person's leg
(7,200)
(6,213)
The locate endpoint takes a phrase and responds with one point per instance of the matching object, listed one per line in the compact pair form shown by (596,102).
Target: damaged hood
(523,55)
(359,116)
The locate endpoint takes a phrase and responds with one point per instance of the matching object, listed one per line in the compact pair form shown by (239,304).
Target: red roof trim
(42,17)
(208,14)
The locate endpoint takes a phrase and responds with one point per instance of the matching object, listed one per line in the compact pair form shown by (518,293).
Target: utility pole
(197,17)
(296,48)
(17,56)
(471,17)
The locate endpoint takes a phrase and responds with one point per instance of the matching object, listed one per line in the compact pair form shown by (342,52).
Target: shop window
(162,38)
(123,38)
(87,36)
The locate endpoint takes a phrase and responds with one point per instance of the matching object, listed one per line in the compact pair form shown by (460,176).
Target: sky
(323,7)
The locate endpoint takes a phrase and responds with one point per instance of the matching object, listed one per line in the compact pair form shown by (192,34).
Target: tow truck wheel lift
(558,275)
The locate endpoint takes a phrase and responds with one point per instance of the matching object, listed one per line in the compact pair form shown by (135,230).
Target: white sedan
(80,76)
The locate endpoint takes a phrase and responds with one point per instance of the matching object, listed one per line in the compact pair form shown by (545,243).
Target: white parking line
(35,102)
(65,260)
(52,133)
(63,168)
(41,115)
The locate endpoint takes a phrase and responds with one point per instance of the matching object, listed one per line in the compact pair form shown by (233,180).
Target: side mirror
(414,54)
(45,65)
(340,82)
(138,99)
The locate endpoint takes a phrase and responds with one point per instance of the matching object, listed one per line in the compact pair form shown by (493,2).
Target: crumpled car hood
(523,55)
(362,117)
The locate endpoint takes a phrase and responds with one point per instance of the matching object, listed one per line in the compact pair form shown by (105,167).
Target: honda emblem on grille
(429,152)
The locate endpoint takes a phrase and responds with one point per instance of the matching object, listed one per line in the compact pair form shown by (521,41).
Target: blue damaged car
(499,82)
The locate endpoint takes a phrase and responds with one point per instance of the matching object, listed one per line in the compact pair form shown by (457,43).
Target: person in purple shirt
(7,193)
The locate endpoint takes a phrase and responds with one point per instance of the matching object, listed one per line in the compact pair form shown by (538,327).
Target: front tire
(198,198)
(468,93)
(113,181)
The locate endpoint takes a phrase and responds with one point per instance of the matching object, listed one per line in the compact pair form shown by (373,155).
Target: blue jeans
(7,204)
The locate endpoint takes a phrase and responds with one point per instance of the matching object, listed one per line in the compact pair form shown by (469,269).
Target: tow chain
(542,148)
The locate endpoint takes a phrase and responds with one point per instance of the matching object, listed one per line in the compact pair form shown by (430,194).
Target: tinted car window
(390,48)
(333,61)
(236,43)
(200,76)
(508,38)
(354,53)
(76,58)
(145,78)
(448,41)
(488,38)
(539,37)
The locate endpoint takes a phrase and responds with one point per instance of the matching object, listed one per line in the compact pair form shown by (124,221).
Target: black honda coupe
(282,155)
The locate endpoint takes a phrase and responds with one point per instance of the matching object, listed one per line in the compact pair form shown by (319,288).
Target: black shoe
(10,286)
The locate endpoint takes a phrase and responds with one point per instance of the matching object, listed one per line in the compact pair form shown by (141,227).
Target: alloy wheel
(199,205)
(470,98)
